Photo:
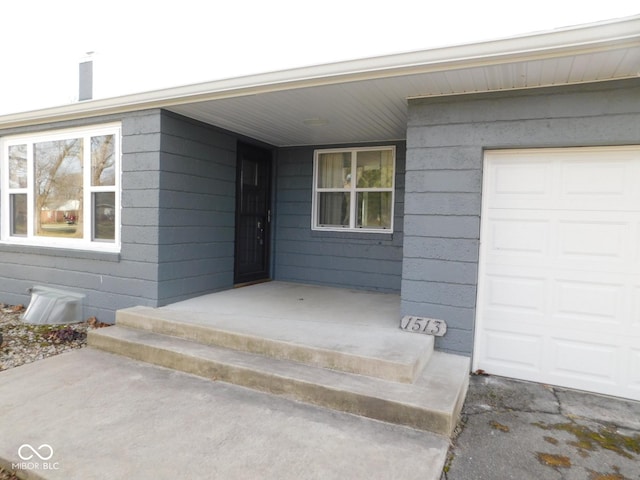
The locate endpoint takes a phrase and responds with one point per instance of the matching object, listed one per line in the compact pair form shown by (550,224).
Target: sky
(142,45)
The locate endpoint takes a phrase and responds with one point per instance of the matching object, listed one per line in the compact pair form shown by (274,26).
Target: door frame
(264,275)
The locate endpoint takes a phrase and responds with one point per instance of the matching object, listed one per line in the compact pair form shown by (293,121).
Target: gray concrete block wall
(446,139)
(349,259)
(197,209)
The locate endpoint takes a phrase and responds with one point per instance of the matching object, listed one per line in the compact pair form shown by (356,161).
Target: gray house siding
(178,202)
(350,259)
(109,281)
(197,209)
(178,194)
(446,140)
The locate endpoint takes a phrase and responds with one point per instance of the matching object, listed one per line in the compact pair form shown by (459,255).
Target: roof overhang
(365,100)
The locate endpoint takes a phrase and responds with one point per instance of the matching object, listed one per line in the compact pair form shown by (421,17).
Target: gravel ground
(22,343)
(4,475)
(25,343)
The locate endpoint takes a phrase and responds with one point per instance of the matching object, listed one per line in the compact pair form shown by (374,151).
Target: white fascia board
(566,42)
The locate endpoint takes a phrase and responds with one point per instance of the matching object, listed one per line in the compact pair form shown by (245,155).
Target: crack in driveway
(522,430)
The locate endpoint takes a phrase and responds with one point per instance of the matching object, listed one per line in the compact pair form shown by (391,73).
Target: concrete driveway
(528,431)
(93,415)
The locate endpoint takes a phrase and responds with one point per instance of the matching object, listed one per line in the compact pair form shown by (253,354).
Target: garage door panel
(577,361)
(575,298)
(522,237)
(512,351)
(514,293)
(591,176)
(559,274)
(510,178)
(596,240)
(599,240)
(600,304)
(513,185)
(597,181)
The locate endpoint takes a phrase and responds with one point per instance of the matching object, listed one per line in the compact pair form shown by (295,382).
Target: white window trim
(87,242)
(352,228)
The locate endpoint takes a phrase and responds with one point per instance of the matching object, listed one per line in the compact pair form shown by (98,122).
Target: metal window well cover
(51,306)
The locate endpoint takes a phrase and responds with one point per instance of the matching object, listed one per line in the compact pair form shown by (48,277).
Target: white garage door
(559,278)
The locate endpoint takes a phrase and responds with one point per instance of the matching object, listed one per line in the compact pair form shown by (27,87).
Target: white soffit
(365,100)
(376,110)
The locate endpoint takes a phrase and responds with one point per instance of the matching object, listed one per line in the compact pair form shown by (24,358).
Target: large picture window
(353,189)
(62,188)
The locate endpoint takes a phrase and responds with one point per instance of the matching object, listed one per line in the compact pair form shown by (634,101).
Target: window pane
(58,188)
(18,166)
(103,170)
(333,209)
(18,206)
(374,210)
(334,170)
(375,169)
(249,173)
(104,215)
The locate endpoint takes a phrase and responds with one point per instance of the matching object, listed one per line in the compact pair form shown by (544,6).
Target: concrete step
(377,351)
(432,403)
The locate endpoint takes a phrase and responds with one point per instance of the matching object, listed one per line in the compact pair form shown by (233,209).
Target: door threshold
(253,282)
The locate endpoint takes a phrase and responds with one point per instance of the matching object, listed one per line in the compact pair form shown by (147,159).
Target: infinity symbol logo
(40,452)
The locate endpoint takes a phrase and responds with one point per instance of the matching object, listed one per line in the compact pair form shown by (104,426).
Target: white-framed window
(353,189)
(62,188)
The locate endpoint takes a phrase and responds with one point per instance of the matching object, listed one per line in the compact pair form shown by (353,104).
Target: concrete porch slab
(300,302)
(348,330)
(106,416)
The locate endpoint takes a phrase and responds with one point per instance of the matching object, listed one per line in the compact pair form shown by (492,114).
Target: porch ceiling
(372,110)
(366,100)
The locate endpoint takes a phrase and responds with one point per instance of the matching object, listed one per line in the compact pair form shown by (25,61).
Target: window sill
(353,234)
(60,252)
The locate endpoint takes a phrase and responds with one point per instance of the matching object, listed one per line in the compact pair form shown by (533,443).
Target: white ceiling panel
(376,109)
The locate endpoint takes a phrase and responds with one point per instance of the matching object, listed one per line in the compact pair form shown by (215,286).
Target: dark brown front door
(253,214)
